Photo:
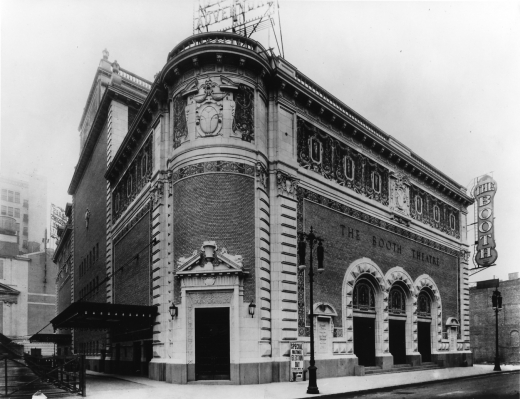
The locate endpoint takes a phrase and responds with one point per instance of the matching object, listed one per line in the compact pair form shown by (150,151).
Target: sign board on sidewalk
(297,360)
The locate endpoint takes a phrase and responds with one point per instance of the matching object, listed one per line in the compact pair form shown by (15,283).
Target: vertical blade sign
(484,193)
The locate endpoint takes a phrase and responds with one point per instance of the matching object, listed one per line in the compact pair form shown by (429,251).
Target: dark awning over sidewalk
(60,339)
(104,316)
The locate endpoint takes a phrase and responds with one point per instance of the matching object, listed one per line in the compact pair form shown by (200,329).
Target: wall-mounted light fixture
(252,307)
(173,311)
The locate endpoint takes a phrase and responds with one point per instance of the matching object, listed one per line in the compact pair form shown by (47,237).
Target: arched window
(376,182)
(418,204)
(436,213)
(424,306)
(452,221)
(364,297)
(397,301)
(315,150)
(349,168)
(144,165)
(129,186)
(515,339)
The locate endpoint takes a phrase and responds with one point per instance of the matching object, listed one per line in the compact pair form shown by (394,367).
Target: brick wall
(482,323)
(218,207)
(132,283)
(92,195)
(348,239)
(64,299)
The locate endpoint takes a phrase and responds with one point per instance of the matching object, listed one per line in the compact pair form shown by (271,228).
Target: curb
(374,390)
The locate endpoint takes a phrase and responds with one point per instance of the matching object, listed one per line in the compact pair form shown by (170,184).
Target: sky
(441,77)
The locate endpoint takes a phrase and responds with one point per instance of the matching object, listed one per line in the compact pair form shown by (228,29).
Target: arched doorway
(397,323)
(364,320)
(424,324)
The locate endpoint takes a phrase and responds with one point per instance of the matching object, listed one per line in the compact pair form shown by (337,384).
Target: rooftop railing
(227,38)
(135,79)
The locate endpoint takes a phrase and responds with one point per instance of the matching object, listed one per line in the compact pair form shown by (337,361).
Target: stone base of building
(252,373)
(458,359)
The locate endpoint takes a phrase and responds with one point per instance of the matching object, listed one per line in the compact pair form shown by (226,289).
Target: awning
(104,316)
(60,339)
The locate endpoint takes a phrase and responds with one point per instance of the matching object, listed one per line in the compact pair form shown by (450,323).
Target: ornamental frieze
(133,180)
(212,167)
(433,212)
(336,161)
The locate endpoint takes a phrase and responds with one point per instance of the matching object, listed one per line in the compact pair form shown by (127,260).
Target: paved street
(504,385)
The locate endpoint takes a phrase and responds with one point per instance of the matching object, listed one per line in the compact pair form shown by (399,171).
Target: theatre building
(189,197)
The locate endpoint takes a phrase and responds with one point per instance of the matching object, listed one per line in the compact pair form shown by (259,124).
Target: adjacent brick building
(188,200)
(483,322)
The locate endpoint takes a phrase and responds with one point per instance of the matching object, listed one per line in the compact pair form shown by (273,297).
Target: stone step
(400,369)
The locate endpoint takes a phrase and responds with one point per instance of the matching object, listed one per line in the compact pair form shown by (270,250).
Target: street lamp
(320,253)
(496,301)
(173,311)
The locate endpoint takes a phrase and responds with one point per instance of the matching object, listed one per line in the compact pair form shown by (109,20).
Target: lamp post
(320,252)
(496,301)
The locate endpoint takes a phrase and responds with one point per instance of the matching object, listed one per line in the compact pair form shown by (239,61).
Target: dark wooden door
(212,344)
(365,341)
(397,338)
(136,358)
(424,341)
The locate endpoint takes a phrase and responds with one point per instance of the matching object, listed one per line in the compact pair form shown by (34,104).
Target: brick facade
(132,265)
(220,208)
(348,239)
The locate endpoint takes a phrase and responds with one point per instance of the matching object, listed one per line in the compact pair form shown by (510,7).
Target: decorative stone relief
(400,194)
(336,161)
(287,184)
(244,113)
(262,176)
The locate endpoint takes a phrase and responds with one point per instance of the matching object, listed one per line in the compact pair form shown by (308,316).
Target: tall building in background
(24,198)
(27,291)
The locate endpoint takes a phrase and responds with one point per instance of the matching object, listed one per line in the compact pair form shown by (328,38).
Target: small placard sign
(297,360)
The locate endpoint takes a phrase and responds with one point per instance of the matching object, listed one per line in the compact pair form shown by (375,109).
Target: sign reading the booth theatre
(484,193)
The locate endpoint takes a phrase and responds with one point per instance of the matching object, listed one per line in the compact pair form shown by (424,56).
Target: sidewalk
(101,386)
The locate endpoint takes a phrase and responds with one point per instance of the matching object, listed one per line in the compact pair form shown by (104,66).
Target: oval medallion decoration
(209,281)
(208,120)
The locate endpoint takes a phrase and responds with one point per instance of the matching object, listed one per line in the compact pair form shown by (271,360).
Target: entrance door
(365,341)
(397,338)
(136,358)
(424,341)
(212,344)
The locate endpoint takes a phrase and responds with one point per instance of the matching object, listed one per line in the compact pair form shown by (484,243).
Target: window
(4,194)
(26,217)
(10,196)
(16,212)
(10,211)
(17,197)
(436,213)
(116,203)
(418,204)
(24,245)
(4,210)
(129,186)
(452,221)
(144,165)
(25,203)
(364,297)
(397,301)
(25,231)
(349,168)
(376,182)
(315,150)
(424,307)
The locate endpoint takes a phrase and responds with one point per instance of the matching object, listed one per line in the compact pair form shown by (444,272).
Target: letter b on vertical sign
(484,193)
